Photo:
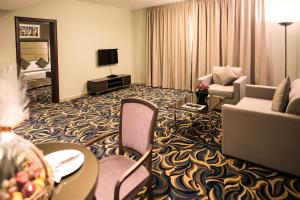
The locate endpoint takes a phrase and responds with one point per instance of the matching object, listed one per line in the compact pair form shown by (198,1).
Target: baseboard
(84,94)
(73,97)
(138,83)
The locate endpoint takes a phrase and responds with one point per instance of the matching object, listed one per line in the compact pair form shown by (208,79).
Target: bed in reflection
(35,63)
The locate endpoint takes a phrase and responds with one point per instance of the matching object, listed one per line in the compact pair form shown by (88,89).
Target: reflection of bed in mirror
(34,63)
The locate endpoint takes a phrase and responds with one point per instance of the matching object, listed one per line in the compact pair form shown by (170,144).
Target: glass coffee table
(189,104)
(189,99)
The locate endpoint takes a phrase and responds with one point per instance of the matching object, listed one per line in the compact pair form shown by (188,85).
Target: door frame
(53,50)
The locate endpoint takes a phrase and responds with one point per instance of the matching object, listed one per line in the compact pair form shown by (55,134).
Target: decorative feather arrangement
(13,101)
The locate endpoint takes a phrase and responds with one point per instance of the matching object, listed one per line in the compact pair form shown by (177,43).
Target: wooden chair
(121,177)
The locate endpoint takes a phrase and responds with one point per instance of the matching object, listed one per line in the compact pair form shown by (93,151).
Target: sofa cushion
(255,104)
(294,98)
(24,63)
(281,96)
(236,70)
(226,76)
(220,90)
(42,63)
(216,79)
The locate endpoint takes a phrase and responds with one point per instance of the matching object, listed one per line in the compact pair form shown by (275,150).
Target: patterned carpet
(187,159)
(41,82)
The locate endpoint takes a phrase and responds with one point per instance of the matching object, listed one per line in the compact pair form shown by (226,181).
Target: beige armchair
(253,132)
(232,93)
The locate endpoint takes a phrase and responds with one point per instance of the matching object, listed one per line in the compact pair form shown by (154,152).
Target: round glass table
(82,183)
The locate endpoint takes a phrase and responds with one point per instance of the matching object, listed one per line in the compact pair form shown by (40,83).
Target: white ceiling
(128,4)
(133,4)
(16,4)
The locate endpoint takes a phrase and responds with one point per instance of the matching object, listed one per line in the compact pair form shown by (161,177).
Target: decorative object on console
(201,93)
(23,172)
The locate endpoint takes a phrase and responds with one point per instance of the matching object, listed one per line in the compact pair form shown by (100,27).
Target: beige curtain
(185,40)
(229,32)
(168,52)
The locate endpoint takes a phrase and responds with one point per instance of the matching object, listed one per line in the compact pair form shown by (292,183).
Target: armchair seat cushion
(254,104)
(110,171)
(220,90)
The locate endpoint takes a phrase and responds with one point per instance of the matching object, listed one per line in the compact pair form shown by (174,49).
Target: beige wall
(82,29)
(276,38)
(298,51)
(139,28)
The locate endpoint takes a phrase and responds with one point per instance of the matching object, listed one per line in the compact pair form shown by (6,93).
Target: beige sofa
(232,93)
(252,132)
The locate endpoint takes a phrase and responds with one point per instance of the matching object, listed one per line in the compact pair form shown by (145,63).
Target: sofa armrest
(260,92)
(262,137)
(208,79)
(239,87)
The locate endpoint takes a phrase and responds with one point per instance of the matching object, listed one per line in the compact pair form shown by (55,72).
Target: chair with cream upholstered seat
(232,91)
(121,177)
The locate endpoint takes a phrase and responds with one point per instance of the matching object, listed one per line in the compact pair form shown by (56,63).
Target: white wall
(82,29)
(278,11)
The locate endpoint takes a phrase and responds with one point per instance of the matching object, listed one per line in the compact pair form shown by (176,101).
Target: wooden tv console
(106,84)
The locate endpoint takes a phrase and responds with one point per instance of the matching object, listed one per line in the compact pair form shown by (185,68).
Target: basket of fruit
(24,173)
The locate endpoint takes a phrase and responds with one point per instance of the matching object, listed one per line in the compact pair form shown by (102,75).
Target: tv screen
(107,56)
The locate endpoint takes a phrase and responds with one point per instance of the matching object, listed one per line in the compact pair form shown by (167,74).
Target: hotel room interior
(149,99)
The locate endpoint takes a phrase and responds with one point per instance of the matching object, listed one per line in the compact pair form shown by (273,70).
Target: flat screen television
(107,56)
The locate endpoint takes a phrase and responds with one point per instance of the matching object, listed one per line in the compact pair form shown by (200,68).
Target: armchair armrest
(100,138)
(208,79)
(131,170)
(239,87)
(260,91)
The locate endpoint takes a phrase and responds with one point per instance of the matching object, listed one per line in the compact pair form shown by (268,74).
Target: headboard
(32,51)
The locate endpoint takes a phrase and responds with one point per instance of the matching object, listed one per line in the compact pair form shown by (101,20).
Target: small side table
(82,183)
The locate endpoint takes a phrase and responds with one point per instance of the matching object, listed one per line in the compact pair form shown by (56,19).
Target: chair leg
(149,188)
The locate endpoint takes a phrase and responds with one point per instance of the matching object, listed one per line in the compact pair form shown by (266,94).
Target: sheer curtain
(185,40)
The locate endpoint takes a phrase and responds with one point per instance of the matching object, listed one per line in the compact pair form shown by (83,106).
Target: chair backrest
(236,70)
(137,123)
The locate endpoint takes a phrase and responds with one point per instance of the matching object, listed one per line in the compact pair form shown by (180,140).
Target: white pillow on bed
(32,66)
(35,68)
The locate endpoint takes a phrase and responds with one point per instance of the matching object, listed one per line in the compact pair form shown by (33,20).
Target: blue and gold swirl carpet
(187,159)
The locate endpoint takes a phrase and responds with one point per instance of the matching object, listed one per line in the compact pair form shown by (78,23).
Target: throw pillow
(281,96)
(42,63)
(226,76)
(236,70)
(24,63)
(216,80)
